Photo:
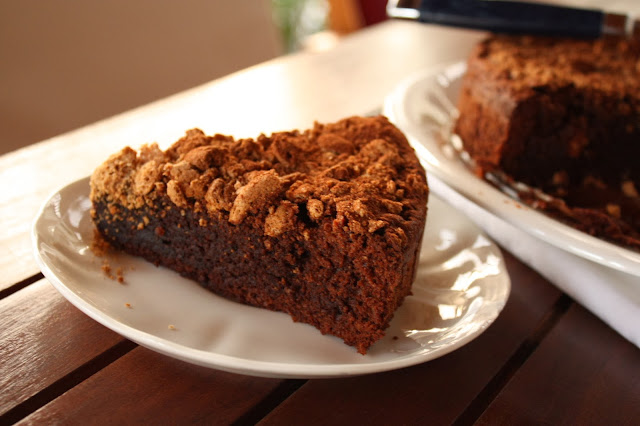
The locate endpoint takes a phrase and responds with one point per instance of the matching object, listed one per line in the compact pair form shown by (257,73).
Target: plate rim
(525,218)
(235,364)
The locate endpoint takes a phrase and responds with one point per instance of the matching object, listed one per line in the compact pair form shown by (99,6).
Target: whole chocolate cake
(324,224)
(563,116)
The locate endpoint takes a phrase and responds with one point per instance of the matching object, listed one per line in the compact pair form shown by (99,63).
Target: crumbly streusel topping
(359,171)
(610,65)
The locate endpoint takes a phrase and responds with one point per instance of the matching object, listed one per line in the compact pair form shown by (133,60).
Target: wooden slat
(42,339)
(144,387)
(288,92)
(435,392)
(583,373)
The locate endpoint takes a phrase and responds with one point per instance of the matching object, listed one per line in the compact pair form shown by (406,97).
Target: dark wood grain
(583,373)
(435,392)
(144,387)
(42,339)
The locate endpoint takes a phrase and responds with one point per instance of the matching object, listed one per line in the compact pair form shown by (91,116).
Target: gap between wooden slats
(67,382)
(20,285)
(475,409)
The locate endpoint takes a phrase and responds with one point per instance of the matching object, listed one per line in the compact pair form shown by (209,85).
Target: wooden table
(545,360)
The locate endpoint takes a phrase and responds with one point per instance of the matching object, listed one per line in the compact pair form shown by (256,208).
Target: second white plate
(423,107)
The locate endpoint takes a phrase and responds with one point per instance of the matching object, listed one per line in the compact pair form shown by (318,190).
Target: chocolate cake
(562,116)
(325,224)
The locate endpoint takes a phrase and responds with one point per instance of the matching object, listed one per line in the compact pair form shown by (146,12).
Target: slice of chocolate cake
(324,224)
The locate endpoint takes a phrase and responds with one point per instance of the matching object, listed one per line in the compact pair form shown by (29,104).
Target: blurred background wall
(67,63)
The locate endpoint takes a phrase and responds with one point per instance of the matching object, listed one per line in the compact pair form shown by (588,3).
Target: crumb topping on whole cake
(528,61)
(354,171)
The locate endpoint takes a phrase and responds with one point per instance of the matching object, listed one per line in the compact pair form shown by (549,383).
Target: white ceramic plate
(423,106)
(461,287)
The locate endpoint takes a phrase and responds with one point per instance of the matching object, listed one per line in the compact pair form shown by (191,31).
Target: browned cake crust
(564,116)
(324,224)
